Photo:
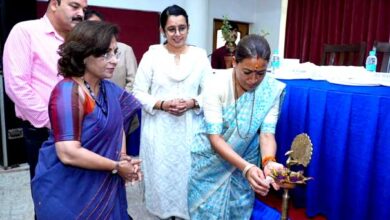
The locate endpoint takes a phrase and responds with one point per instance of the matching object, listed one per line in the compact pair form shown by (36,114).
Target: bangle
(161,105)
(246,169)
(267,159)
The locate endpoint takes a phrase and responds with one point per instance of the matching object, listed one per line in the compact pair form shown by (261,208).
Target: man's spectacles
(173,29)
(109,55)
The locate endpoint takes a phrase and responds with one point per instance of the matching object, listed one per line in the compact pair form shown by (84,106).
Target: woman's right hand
(257,181)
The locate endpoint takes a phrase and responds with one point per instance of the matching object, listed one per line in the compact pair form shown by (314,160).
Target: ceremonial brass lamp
(299,154)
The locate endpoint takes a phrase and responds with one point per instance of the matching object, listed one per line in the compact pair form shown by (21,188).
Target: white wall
(142,5)
(268,18)
(264,15)
(198,18)
(242,10)
(261,14)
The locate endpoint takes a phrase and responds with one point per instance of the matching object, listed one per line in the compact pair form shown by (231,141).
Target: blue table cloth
(350,130)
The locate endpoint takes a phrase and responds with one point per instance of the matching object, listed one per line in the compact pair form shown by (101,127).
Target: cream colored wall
(268,15)
(271,18)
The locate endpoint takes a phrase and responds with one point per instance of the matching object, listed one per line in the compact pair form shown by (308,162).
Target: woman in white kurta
(168,83)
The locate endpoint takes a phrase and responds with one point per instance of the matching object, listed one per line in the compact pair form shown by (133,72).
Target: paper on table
(382,78)
(353,82)
(350,75)
(293,71)
(344,75)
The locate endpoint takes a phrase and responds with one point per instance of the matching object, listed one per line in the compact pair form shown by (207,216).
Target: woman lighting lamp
(238,104)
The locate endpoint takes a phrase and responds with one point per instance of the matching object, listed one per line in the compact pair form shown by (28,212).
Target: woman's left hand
(178,107)
(136,174)
(137,169)
(271,165)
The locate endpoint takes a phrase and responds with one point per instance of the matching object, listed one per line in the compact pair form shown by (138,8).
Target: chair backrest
(383,47)
(343,54)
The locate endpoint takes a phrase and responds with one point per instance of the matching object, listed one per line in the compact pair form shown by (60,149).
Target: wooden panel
(383,54)
(343,54)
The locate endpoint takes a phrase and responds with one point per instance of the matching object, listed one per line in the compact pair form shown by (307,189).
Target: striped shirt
(30,68)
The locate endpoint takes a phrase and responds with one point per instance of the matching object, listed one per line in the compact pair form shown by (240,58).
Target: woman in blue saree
(83,167)
(225,171)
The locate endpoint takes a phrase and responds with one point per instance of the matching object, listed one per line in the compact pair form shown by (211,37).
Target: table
(350,130)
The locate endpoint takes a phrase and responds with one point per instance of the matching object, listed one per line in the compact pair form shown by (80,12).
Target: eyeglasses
(173,29)
(109,55)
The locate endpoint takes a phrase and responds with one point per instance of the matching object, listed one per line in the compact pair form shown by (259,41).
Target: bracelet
(267,159)
(161,105)
(246,169)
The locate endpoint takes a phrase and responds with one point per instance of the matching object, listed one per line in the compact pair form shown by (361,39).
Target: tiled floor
(16,202)
(15,195)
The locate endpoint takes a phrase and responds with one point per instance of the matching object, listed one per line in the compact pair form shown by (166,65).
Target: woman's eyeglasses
(173,29)
(109,55)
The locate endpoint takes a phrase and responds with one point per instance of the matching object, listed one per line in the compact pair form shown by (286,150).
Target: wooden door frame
(217,23)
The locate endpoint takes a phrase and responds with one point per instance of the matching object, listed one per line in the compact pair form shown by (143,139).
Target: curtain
(312,23)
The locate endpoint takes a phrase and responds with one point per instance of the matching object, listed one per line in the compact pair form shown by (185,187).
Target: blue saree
(217,190)
(67,192)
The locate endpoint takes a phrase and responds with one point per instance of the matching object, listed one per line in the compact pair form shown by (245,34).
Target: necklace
(94,97)
(235,108)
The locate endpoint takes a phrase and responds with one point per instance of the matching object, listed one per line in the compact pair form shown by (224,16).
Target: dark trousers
(33,139)
(133,139)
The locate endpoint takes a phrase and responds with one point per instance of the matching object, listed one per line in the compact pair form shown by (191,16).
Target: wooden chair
(343,54)
(383,47)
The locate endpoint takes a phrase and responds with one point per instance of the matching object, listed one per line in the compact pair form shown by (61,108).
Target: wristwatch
(196,104)
(116,168)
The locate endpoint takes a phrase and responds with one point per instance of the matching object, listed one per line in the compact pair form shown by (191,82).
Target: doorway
(218,40)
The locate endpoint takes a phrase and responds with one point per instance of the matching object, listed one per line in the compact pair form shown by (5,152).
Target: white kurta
(165,138)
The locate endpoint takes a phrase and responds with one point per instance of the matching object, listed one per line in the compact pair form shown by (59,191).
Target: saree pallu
(66,192)
(217,190)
